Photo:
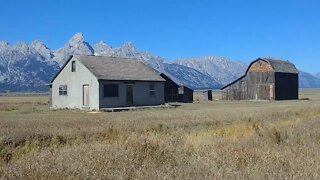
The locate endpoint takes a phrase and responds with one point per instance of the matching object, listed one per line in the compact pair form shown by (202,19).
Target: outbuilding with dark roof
(96,82)
(176,92)
(265,79)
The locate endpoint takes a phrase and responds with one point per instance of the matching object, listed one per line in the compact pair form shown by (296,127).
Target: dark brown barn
(265,79)
(174,92)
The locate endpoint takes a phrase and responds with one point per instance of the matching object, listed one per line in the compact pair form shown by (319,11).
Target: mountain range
(26,67)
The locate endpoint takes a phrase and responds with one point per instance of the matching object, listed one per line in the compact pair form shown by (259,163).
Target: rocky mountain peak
(102,43)
(76,45)
(103,49)
(38,44)
(29,67)
(77,39)
(129,46)
(3,44)
(21,45)
(42,49)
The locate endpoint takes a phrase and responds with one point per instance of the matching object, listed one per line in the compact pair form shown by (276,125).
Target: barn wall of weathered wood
(257,84)
(263,82)
(236,91)
(260,85)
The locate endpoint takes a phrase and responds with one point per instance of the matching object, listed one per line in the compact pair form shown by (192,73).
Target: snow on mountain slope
(128,50)
(76,45)
(223,70)
(184,75)
(190,77)
(29,67)
(22,68)
(103,49)
(41,48)
(307,80)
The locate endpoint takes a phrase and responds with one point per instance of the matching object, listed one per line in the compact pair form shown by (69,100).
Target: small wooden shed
(175,92)
(265,79)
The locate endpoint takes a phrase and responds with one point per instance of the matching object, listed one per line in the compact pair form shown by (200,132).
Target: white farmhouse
(95,82)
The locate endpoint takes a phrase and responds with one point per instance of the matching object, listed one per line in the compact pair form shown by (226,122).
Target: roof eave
(102,79)
(64,65)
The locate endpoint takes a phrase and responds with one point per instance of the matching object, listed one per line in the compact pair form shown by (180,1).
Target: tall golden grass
(208,140)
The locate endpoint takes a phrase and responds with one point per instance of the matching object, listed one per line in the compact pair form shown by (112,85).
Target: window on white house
(73,66)
(63,90)
(152,90)
(111,90)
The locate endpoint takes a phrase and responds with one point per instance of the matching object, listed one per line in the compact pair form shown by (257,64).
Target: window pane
(111,90)
(73,66)
(152,87)
(152,93)
(63,90)
(152,90)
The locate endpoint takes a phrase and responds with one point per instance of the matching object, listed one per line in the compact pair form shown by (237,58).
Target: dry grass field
(207,140)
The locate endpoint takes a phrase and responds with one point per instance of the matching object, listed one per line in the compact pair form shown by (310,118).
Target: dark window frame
(110,90)
(63,90)
(73,66)
(180,90)
(152,90)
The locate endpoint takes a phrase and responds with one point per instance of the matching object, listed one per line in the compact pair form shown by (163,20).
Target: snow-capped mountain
(26,67)
(103,49)
(307,80)
(223,70)
(42,49)
(181,74)
(128,50)
(76,45)
(23,68)
(190,77)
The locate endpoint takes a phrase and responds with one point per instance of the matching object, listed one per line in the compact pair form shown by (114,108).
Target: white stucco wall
(141,95)
(75,82)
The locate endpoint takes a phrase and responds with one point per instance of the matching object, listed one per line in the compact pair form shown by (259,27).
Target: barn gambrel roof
(278,66)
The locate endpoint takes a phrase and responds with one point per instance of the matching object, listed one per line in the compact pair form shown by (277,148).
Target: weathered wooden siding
(176,93)
(187,95)
(236,91)
(259,85)
(263,82)
(260,66)
(255,85)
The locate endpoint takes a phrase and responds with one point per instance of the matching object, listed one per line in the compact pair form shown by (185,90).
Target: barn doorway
(85,95)
(271,92)
(129,94)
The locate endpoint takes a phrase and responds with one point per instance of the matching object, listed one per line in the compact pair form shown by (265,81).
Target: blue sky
(238,29)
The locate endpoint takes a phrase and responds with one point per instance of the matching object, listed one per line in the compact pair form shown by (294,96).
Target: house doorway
(129,94)
(85,95)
